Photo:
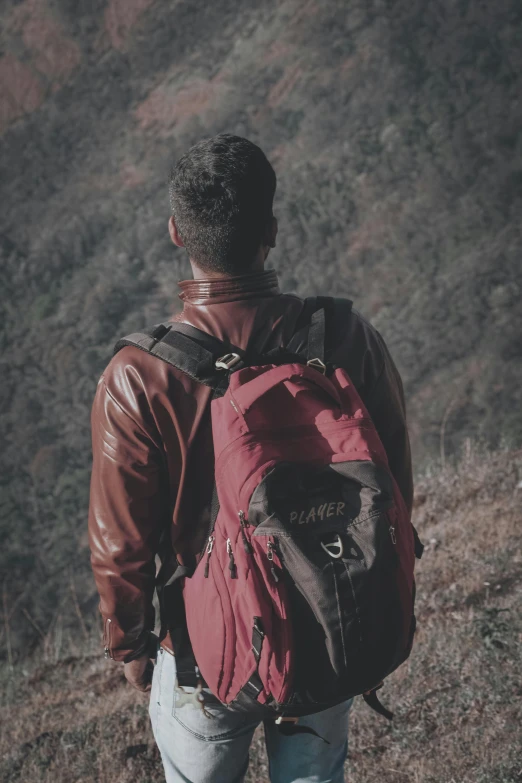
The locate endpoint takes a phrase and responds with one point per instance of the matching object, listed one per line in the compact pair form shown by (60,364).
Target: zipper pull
(247,546)
(392,534)
(270,549)
(210,546)
(232,563)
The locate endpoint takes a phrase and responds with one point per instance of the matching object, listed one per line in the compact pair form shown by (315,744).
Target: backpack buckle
(195,699)
(318,364)
(227,361)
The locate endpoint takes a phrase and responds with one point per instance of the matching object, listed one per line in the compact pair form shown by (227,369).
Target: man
(153,464)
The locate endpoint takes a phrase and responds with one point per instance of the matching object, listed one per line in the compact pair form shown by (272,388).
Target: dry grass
(457,701)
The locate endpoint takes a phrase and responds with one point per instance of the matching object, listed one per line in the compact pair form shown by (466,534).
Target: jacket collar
(213,290)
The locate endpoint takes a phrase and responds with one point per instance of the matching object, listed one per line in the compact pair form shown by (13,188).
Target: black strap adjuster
(227,361)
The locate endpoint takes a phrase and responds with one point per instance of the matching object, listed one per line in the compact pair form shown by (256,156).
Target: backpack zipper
(244,523)
(231,562)
(270,549)
(392,534)
(208,534)
(209,549)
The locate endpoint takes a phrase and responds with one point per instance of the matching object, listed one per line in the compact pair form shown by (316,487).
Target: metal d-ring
(338,547)
(318,364)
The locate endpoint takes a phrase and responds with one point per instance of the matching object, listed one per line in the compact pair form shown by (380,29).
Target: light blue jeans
(198,749)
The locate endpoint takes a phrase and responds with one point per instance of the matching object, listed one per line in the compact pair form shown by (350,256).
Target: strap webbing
(254,686)
(316,336)
(258,636)
(314,332)
(213,344)
(309,307)
(188,349)
(185,661)
(300,336)
(214,508)
(372,700)
(417,544)
(327,304)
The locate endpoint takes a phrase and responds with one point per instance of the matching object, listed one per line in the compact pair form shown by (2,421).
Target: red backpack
(304,592)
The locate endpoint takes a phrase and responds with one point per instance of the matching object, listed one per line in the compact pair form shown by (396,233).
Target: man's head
(221,195)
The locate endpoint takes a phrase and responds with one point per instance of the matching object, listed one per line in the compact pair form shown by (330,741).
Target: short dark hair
(221,195)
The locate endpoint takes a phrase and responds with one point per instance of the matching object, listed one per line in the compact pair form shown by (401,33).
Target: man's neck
(258,265)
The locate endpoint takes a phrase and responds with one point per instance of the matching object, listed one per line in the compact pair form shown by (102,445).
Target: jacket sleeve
(128,510)
(386,406)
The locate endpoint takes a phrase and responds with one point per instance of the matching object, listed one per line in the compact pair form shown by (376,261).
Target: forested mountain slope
(395,130)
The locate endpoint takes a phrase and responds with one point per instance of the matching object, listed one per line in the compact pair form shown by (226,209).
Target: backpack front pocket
(338,554)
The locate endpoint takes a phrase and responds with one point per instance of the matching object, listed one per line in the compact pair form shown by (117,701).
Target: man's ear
(271,233)
(174,233)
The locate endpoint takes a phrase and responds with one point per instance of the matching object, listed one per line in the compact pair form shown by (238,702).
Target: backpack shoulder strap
(317,327)
(195,352)
(189,349)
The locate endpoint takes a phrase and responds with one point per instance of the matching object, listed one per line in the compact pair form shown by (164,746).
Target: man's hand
(139,673)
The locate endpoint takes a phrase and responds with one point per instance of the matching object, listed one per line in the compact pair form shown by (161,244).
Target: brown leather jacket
(153,463)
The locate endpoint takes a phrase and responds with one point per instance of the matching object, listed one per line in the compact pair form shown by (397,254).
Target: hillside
(394,126)
(71,717)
